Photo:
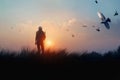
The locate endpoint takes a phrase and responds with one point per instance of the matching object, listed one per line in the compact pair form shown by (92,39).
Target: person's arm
(44,35)
(36,38)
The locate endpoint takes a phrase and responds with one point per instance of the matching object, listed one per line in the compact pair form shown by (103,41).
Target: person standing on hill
(39,40)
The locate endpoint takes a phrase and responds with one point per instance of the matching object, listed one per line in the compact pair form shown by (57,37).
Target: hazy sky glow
(19,21)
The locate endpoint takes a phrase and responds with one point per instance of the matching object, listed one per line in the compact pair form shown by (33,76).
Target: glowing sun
(48,43)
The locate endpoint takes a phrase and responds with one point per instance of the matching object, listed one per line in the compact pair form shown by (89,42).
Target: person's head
(40,28)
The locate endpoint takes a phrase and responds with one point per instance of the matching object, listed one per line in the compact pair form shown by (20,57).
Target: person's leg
(38,47)
(42,47)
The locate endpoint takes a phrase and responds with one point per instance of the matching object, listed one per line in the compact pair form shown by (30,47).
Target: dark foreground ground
(60,66)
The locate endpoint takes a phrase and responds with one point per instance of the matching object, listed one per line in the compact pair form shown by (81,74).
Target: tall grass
(61,56)
(91,64)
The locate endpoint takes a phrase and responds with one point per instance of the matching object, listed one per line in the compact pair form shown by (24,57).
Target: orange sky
(60,19)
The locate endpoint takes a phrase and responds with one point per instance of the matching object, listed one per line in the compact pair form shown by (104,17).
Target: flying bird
(84,25)
(96,1)
(73,35)
(98,29)
(104,20)
(116,13)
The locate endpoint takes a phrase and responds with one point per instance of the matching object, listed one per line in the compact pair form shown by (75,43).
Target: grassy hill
(63,65)
(58,57)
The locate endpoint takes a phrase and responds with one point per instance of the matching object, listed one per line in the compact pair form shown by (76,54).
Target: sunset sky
(60,19)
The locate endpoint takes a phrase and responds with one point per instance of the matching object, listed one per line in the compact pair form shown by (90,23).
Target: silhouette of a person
(39,40)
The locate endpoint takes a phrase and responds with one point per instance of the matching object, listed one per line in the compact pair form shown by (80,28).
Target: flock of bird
(105,21)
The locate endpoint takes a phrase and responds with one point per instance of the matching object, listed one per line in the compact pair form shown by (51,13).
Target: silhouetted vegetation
(81,65)
(59,57)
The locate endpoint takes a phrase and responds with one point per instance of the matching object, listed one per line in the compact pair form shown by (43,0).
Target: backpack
(43,36)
